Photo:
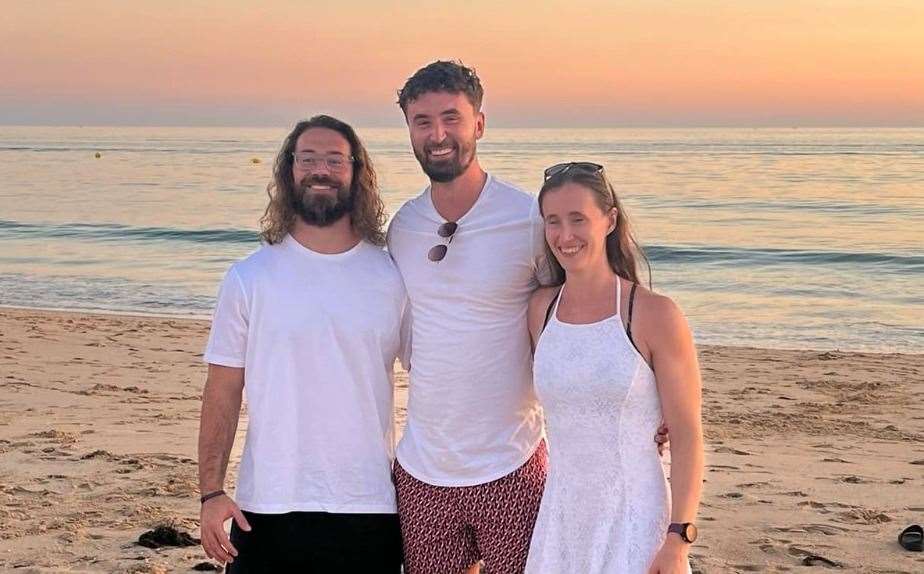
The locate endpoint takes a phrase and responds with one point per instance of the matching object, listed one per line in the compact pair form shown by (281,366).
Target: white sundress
(606,503)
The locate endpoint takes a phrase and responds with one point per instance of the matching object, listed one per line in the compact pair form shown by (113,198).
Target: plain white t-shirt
(473,416)
(317,336)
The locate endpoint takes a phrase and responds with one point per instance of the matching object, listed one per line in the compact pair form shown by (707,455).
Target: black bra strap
(548,312)
(629,320)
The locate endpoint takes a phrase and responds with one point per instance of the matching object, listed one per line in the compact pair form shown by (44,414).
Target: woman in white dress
(612,359)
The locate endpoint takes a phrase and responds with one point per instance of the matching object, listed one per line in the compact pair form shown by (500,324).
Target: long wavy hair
(368,215)
(623,252)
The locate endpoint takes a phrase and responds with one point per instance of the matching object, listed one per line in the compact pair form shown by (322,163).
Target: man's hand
(662,439)
(212,517)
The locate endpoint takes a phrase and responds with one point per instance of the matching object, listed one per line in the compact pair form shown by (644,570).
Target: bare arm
(221,407)
(680,391)
(679,388)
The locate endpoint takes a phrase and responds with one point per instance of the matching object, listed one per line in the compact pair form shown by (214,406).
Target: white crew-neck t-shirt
(473,416)
(317,336)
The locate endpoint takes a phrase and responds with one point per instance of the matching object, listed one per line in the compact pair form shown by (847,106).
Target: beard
(446,170)
(322,208)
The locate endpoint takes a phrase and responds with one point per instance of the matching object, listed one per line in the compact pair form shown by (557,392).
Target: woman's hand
(672,558)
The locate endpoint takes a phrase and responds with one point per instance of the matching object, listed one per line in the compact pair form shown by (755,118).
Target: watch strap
(681,529)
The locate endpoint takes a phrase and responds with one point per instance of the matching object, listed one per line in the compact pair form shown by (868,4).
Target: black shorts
(317,542)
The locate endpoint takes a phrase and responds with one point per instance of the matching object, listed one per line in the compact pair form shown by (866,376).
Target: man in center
(472,462)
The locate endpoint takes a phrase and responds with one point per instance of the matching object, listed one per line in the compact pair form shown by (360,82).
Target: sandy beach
(814,459)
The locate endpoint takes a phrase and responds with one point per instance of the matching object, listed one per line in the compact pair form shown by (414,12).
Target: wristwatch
(686,530)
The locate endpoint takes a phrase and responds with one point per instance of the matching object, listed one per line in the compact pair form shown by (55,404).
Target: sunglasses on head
(562,168)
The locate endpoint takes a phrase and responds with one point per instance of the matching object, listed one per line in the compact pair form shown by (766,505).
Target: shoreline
(207,319)
(809,453)
(108,313)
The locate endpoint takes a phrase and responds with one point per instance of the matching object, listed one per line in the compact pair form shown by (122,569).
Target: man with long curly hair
(309,328)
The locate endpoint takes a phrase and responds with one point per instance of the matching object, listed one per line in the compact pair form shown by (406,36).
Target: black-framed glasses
(446,230)
(561,168)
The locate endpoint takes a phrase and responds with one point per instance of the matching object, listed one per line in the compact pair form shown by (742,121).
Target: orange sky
(581,63)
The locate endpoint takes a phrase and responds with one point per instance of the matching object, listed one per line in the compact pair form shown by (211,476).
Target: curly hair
(368,215)
(442,76)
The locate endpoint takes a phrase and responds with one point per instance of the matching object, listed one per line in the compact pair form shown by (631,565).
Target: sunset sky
(549,64)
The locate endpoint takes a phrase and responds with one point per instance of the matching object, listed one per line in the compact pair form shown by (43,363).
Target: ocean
(783,238)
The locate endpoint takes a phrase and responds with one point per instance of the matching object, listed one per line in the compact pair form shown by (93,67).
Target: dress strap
(618,296)
(629,318)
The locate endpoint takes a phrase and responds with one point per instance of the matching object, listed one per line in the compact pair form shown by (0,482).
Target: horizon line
(494,126)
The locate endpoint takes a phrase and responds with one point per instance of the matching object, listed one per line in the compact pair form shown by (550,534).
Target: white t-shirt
(473,416)
(317,336)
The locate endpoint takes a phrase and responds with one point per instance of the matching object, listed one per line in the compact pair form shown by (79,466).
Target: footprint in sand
(729,450)
(749,567)
(64,438)
(863,516)
(174,458)
(105,454)
(809,558)
(752,484)
(812,504)
(824,507)
(826,529)
(716,467)
(851,479)
(767,546)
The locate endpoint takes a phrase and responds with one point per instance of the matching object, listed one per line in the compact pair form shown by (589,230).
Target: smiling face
(576,227)
(323,195)
(444,128)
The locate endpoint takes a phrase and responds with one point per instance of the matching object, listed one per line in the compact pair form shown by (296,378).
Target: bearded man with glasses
(309,327)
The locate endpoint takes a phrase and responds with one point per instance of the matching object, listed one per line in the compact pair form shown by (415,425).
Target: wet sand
(811,455)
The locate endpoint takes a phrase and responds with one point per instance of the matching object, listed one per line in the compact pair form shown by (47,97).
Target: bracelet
(210,496)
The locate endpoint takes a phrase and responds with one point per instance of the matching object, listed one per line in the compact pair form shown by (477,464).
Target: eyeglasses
(561,168)
(308,160)
(438,252)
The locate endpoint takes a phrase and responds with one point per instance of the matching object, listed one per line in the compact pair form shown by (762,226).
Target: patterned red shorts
(446,529)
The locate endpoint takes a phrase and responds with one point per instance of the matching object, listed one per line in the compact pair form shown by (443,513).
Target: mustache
(309,180)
